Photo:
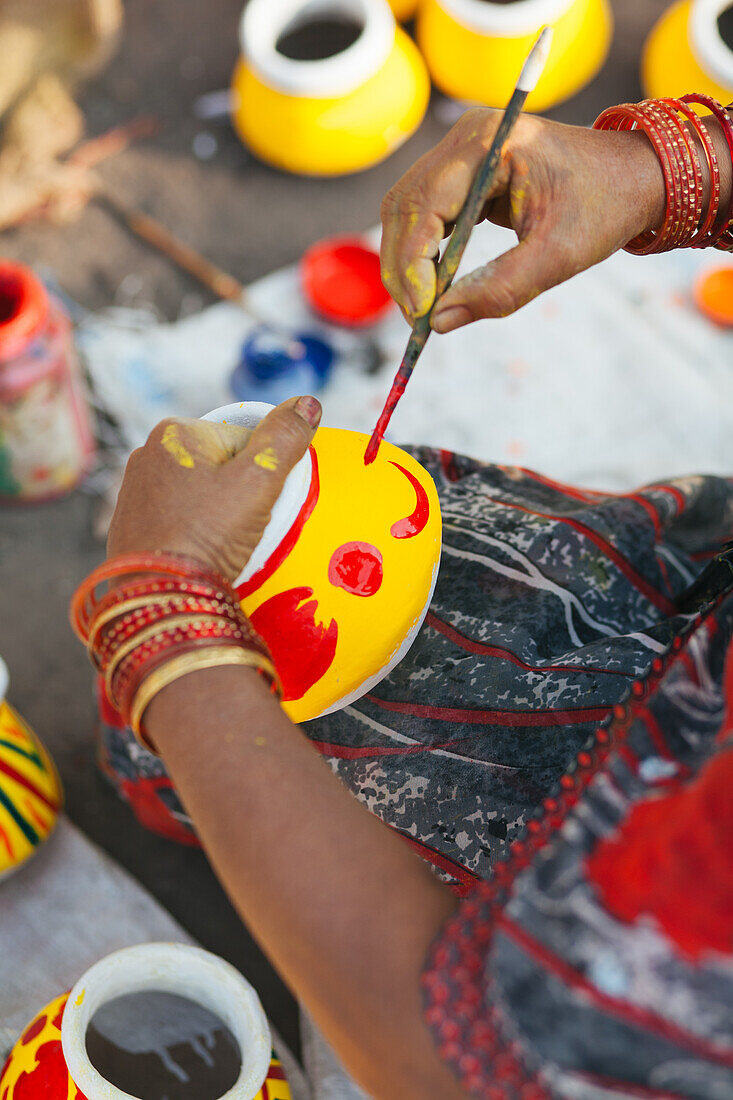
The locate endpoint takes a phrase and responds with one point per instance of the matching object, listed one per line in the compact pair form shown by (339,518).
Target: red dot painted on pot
(342,281)
(357,568)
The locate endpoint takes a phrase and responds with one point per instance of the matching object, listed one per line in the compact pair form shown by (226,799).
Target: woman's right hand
(572,195)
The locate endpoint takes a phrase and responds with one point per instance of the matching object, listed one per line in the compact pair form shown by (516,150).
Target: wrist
(175,710)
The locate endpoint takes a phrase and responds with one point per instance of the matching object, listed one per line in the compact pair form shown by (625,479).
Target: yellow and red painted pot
(475,49)
(30,788)
(332,115)
(690,49)
(342,578)
(50,1060)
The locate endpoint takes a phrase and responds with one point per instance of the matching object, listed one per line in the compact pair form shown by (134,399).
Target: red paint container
(46,439)
(342,282)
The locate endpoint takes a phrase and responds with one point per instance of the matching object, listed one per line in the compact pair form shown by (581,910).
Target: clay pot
(687,51)
(330,115)
(50,1060)
(341,580)
(30,788)
(475,49)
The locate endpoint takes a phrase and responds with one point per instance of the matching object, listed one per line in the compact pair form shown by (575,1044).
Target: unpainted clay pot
(475,49)
(336,114)
(686,52)
(342,578)
(50,1060)
(30,788)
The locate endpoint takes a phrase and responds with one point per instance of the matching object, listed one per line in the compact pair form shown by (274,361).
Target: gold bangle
(227,610)
(178,667)
(146,635)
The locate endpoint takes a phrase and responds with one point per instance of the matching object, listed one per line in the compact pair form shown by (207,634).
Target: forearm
(342,907)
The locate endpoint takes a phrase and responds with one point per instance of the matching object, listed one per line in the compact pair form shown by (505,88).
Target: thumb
(276,445)
(502,286)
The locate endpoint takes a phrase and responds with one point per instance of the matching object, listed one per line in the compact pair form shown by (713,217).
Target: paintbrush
(477,197)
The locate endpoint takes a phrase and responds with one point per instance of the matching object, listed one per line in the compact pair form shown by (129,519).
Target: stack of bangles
(163,617)
(680,136)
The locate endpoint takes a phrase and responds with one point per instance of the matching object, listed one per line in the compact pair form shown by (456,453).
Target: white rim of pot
(495,20)
(248,414)
(167,968)
(263,22)
(706,41)
(4,680)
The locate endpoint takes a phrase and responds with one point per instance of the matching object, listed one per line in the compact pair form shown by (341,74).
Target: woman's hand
(207,490)
(572,195)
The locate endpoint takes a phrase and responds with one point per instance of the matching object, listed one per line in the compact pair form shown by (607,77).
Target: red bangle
(723,239)
(628,116)
(703,237)
(84,601)
(685,223)
(686,171)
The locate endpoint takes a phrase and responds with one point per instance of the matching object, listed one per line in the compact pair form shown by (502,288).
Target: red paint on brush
(395,393)
(413,524)
(357,568)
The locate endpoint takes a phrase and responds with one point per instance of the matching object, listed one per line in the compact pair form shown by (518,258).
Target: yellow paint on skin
(175,447)
(267,459)
(423,296)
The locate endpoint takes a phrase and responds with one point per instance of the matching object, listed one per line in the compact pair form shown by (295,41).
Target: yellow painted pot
(50,1059)
(341,581)
(333,116)
(30,789)
(685,52)
(475,49)
(404,9)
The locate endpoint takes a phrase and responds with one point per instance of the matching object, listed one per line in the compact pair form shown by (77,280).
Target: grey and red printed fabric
(555,744)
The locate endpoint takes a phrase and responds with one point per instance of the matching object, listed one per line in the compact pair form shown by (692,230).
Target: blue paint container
(274,366)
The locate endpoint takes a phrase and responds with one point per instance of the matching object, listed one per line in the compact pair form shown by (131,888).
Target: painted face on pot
(343,596)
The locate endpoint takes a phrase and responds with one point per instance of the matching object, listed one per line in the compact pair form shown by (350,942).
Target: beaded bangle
(84,602)
(685,223)
(723,239)
(703,237)
(628,116)
(124,681)
(165,608)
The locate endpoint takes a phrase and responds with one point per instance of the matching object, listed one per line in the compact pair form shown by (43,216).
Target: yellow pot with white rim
(335,115)
(30,788)
(475,49)
(687,51)
(342,578)
(404,9)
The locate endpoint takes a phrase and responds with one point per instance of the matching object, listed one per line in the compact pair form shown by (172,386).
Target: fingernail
(450,318)
(309,408)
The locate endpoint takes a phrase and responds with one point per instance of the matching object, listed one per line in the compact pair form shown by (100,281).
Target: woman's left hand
(207,490)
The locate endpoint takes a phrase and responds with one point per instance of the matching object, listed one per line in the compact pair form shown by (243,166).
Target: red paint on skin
(302,649)
(35,1029)
(357,568)
(6,841)
(280,553)
(413,524)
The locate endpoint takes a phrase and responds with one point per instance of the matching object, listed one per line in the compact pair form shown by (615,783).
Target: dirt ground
(249,219)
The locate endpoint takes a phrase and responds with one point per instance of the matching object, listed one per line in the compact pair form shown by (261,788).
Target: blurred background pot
(475,49)
(690,49)
(30,788)
(326,89)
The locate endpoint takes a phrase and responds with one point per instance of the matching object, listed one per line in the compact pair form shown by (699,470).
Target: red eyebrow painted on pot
(413,524)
